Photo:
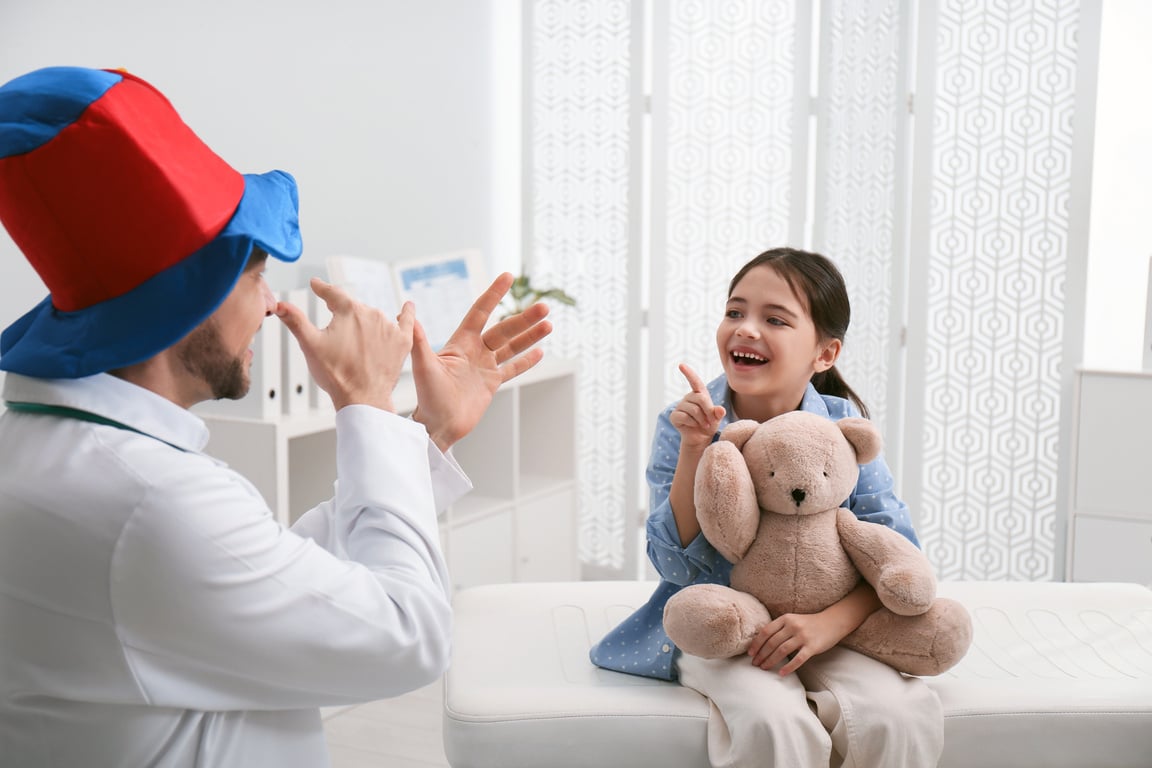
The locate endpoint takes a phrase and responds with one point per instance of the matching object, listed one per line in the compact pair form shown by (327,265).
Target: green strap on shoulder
(75,413)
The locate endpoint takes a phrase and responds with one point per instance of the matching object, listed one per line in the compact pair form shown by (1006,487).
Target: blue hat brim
(47,343)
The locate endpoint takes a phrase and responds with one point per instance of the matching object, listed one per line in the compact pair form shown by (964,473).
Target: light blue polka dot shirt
(639,645)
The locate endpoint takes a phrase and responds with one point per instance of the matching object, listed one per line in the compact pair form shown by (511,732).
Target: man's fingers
(333,295)
(522,342)
(509,329)
(518,365)
(694,380)
(477,316)
(407,317)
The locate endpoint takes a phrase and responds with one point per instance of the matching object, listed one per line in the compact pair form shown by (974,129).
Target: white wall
(1120,242)
(382,109)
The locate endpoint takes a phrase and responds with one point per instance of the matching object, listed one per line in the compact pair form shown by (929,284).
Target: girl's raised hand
(696,417)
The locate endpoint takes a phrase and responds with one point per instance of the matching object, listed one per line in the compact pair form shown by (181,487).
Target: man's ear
(829,354)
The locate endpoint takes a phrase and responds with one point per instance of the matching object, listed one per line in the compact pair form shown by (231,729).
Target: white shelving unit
(518,523)
(1110,520)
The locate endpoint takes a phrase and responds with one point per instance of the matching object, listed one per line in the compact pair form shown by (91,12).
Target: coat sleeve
(219,607)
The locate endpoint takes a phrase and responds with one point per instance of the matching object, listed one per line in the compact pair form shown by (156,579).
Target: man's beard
(203,355)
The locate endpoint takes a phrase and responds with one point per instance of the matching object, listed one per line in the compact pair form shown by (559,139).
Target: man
(152,612)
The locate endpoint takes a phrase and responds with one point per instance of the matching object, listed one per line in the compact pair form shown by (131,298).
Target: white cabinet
(519,521)
(1110,525)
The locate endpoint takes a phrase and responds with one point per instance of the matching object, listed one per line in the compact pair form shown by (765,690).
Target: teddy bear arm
(896,569)
(726,501)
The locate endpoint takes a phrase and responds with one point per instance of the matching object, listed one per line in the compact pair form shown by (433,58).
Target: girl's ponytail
(830,382)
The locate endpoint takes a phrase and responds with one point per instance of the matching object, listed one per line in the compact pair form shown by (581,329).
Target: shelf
(517,523)
(532,486)
(475,505)
(1109,517)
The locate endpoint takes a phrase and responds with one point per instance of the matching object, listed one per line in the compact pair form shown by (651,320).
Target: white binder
(295,379)
(320,316)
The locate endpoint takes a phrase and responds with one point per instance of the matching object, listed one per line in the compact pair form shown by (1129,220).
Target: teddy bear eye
(825,474)
(772,474)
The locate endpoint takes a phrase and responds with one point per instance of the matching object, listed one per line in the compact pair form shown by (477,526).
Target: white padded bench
(1059,674)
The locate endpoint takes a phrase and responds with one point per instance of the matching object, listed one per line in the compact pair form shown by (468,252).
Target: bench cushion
(1059,674)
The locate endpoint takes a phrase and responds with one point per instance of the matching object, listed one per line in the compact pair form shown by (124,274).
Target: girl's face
(769,346)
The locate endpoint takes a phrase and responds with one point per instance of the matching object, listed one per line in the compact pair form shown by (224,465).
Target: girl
(782,331)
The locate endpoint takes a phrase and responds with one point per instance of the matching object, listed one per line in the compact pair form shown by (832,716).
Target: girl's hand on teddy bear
(791,639)
(696,417)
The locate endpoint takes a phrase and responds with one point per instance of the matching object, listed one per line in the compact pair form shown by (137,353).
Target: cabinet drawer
(1104,549)
(546,538)
(1115,411)
(480,551)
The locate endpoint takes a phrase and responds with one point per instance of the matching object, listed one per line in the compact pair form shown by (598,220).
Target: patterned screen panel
(861,144)
(997,251)
(580,68)
(726,191)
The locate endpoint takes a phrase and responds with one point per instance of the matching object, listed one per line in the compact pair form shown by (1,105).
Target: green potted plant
(523,295)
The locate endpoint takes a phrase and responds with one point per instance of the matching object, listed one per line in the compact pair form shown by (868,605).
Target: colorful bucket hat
(136,227)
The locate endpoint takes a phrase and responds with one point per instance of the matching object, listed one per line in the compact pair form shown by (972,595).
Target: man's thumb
(421,348)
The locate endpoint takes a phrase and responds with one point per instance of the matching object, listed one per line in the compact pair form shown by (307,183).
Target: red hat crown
(120,194)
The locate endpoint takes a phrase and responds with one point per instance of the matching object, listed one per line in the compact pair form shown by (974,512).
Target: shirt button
(666,648)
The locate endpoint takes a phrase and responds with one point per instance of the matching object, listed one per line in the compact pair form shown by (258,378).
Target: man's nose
(269,298)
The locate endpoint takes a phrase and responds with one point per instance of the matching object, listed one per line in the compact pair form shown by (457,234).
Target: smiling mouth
(749,359)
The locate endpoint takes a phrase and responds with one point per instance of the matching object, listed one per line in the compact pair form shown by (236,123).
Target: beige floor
(394,733)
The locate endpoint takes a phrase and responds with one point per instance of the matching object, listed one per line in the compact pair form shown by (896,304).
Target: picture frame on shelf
(446,284)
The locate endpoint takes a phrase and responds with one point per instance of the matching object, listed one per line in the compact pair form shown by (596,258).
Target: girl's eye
(775,321)
(733,314)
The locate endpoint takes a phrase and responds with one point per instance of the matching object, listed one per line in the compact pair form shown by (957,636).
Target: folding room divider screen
(939,152)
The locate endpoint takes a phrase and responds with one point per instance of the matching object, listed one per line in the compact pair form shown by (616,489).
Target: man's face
(217,354)
(205,356)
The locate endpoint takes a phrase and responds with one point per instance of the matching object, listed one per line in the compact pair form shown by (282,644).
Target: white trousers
(841,709)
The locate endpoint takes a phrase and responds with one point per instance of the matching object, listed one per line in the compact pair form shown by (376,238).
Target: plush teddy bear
(768,497)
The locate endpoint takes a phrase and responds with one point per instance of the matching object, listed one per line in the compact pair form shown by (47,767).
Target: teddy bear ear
(738,432)
(863,436)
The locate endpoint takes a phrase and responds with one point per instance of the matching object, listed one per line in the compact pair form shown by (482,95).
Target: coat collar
(115,399)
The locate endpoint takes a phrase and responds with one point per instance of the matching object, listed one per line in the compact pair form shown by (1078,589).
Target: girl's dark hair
(817,279)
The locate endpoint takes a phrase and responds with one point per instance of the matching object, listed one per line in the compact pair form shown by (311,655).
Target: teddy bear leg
(928,644)
(712,621)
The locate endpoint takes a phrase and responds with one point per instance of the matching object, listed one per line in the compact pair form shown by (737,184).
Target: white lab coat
(152,611)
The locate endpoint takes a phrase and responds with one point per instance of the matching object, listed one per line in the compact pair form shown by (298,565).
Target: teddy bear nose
(798,495)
